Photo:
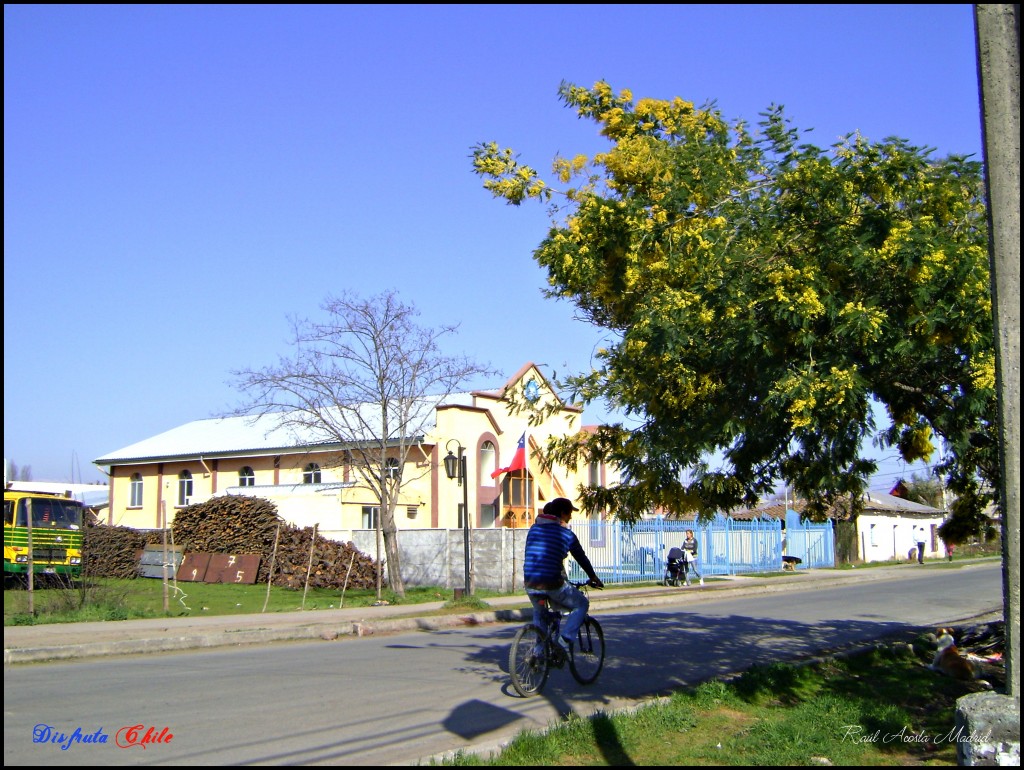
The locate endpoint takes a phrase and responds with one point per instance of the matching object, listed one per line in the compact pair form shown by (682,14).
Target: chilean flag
(518,460)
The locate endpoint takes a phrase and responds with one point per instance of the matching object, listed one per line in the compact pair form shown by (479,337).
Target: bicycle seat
(550,605)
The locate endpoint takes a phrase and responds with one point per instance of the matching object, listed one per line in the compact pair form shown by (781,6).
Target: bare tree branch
(367,380)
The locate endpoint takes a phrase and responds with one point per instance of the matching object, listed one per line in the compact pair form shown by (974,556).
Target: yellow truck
(43,530)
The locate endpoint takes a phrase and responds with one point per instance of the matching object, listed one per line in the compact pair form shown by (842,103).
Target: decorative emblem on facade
(532,391)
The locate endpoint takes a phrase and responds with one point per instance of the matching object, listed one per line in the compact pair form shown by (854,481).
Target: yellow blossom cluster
(983,372)
(793,288)
(807,392)
(869,322)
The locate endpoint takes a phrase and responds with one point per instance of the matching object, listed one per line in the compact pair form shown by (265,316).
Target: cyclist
(548,543)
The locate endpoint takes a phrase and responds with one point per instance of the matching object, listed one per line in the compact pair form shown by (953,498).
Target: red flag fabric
(518,460)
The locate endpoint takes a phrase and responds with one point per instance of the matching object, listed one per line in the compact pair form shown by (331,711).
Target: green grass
(877,708)
(114,599)
(120,599)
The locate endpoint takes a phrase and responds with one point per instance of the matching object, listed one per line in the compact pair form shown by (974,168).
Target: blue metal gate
(637,553)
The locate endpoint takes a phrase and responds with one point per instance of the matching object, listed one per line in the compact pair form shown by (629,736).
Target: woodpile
(111,551)
(227,524)
(241,526)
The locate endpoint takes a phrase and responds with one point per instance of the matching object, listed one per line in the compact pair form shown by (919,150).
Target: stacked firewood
(111,551)
(330,564)
(229,524)
(241,526)
(250,525)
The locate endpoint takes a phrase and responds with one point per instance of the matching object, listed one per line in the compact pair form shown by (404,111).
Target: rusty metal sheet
(233,568)
(193,568)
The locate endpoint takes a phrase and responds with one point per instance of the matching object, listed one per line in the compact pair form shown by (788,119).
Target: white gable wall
(890,536)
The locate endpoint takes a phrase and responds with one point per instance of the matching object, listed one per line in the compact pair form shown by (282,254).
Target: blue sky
(179,180)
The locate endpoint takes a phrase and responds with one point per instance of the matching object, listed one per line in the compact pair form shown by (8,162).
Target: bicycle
(536,651)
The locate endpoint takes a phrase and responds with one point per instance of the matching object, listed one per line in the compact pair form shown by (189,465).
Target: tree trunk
(391,551)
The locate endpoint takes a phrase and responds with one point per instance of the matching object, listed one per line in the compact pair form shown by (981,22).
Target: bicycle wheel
(588,653)
(528,661)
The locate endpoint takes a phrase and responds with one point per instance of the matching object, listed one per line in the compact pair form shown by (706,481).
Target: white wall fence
(620,553)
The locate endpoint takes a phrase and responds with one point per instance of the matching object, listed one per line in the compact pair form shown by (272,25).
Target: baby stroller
(675,570)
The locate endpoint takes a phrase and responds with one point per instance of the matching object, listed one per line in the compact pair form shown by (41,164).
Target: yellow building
(152,479)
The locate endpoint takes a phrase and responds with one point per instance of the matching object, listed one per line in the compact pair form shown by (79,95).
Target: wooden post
(273,559)
(309,565)
(29,512)
(344,585)
(163,529)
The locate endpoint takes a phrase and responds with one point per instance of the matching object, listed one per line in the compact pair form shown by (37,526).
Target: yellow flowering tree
(760,294)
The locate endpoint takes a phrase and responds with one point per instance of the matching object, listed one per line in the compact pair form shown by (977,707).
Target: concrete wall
(436,557)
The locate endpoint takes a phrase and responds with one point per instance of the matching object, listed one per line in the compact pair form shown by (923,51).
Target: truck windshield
(55,514)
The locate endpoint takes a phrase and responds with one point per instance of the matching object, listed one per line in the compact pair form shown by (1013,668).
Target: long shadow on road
(649,655)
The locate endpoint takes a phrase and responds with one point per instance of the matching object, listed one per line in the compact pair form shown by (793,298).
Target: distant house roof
(228,436)
(874,502)
(93,495)
(880,502)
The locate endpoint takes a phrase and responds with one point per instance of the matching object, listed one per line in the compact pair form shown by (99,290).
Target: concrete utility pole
(998,30)
(997,27)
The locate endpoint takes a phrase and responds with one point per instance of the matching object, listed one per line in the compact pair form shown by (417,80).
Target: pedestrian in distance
(690,548)
(548,542)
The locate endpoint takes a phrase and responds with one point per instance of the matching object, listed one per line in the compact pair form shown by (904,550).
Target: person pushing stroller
(690,552)
(675,569)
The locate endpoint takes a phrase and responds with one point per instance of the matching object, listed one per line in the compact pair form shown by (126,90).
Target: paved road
(398,697)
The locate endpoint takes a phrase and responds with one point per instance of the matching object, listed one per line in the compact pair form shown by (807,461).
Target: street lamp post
(455,468)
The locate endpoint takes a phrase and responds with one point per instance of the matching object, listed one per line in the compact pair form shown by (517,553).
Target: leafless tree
(14,473)
(366,379)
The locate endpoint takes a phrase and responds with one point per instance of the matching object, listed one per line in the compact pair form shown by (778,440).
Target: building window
(185,488)
(411,511)
(136,491)
(488,460)
(246,477)
(871,535)
(462,515)
(516,492)
(488,515)
(391,468)
(595,474)
(311,475)
(371,513)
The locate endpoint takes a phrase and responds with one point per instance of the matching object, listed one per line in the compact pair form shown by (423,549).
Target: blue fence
(813,544)
(637,553)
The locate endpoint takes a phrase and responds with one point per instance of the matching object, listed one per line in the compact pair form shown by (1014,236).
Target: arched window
(136,491)
(311,475)
(391,468)
(185,488)
(488,461)
(246,477)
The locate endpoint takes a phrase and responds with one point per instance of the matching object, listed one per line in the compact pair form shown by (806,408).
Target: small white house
(889,528)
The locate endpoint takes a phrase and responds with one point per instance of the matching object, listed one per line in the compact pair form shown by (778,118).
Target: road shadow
(651,654)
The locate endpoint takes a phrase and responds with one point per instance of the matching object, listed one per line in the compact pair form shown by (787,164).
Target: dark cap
(560,506)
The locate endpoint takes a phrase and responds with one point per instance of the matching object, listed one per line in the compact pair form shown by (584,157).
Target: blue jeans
(691,565)
(568,596)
